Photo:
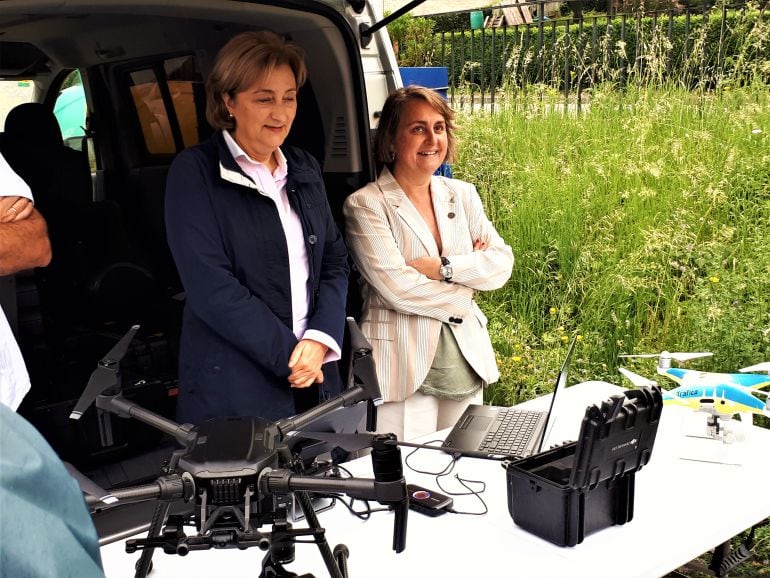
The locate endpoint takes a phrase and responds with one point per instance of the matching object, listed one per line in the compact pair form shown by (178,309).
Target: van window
(13,93)
(169,101)
(70,110)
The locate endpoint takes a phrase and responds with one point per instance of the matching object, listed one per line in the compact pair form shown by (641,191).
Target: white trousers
(421,414)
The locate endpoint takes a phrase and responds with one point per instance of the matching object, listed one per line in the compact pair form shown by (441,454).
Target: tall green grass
(641,223)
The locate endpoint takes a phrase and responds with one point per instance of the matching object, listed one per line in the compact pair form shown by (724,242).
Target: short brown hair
(390,119)
(245,59)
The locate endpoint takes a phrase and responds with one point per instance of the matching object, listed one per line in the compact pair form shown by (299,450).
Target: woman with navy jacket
(262,262)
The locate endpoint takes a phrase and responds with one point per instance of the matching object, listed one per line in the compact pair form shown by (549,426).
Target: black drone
(242,473)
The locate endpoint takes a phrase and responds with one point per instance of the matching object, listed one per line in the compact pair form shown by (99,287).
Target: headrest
(32,124)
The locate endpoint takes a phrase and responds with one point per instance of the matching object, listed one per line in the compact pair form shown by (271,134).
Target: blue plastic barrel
(435,77)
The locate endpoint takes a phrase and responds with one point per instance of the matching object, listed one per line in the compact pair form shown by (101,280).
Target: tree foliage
(413,40)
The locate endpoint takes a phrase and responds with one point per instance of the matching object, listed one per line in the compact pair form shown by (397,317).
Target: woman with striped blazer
(423,246)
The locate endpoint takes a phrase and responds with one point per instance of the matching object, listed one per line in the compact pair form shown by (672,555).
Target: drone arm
(119,405)
(390,493)
(285,481)
(277,431)
(167,488)
(347,398)
(388,486)
(365,388)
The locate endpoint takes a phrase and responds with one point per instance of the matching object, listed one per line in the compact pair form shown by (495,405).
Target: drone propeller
(88,486)
(675,355)
(105,375)
(764,366)
(350,442)
(636,379)
(353,441)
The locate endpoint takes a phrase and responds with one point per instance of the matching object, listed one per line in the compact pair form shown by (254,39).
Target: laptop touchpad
(476,422)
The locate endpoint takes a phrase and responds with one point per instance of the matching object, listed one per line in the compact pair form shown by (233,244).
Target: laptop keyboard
(512,432)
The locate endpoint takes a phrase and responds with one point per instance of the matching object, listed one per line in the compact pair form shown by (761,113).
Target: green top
(450,376)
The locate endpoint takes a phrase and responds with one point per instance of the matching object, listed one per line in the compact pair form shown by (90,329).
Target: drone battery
(568,492)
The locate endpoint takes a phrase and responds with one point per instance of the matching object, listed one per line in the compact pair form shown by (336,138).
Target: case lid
(616,438)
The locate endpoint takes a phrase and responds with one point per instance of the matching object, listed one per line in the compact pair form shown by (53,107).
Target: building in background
(436,6)
(509,14)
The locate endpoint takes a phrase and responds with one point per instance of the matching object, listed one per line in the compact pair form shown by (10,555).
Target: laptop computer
(509,431)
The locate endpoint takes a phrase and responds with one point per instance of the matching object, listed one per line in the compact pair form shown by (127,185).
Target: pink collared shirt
(273,186)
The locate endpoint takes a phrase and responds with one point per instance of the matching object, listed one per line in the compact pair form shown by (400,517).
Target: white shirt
(11,184)
(273,186)
(14,379)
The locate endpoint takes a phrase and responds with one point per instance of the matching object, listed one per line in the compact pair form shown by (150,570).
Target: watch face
(446,269)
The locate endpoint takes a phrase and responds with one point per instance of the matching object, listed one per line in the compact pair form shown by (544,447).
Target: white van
(125,79)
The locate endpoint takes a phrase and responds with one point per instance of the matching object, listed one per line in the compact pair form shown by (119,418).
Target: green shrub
(413,40)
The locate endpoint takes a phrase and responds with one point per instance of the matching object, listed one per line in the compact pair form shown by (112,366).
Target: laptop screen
(557,397)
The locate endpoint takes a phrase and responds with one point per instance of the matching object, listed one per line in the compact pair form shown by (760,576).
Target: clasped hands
(305,363)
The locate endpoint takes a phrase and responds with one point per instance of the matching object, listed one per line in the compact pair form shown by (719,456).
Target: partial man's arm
(24,244)
(14,209)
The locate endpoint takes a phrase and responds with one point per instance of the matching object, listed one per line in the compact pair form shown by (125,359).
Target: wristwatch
(445,270)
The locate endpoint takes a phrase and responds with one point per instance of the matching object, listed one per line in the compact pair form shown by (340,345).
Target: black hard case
(566,493)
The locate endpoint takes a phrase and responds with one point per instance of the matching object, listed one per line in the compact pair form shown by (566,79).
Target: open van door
(124,81)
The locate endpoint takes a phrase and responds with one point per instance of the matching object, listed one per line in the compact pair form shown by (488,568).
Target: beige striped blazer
(403,309)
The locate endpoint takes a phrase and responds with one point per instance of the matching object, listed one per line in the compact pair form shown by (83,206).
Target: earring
(392,156)
(230,115)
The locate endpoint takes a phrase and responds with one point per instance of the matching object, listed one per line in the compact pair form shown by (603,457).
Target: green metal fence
(700,46)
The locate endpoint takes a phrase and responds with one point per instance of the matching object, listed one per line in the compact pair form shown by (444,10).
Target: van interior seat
(32,144)
(60,180)
(93,268)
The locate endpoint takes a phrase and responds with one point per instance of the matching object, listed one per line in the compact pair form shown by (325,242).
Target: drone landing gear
(723,429)
(279,543)
(714,427)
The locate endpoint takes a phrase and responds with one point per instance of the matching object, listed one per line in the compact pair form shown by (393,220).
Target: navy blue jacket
(230,250)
